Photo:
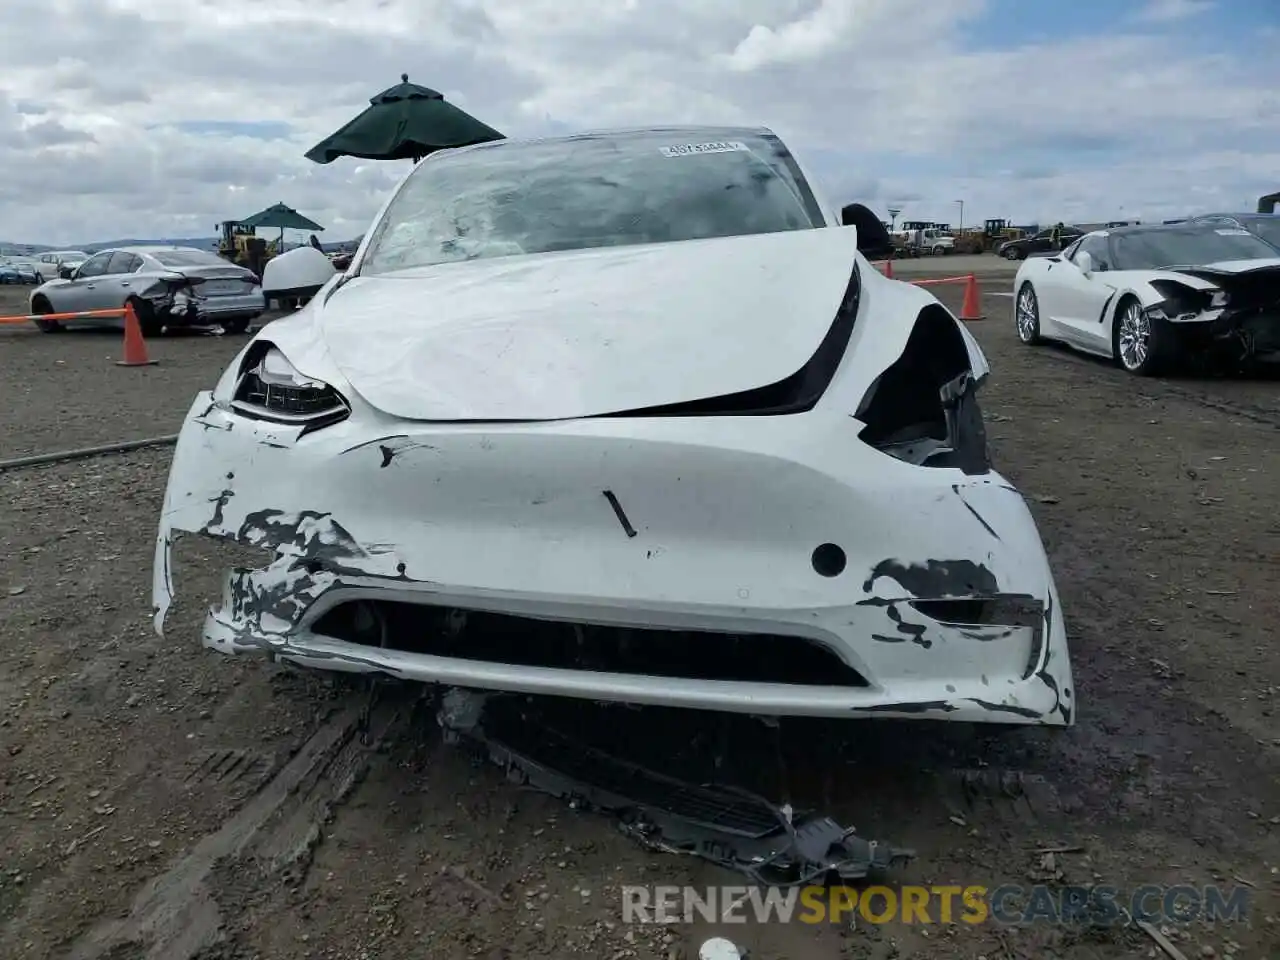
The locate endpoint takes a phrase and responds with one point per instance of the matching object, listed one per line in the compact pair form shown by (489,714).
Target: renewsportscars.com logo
(1010,904)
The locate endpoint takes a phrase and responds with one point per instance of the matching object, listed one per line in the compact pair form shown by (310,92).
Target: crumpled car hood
(1230,268)
(567,335)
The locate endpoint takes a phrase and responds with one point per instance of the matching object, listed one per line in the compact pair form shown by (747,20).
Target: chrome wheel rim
(1027,319)
(1135,337)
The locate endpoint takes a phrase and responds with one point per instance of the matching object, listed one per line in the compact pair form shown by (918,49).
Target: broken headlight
(272,388)
(1218,299)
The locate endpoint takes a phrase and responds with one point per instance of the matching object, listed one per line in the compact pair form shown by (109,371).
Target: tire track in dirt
(177,914)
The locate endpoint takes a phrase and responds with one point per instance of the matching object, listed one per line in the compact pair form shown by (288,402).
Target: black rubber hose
(61,456)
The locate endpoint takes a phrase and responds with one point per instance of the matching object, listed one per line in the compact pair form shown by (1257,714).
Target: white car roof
(160,248)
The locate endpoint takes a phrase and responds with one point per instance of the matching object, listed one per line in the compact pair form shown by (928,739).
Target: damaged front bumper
(927,589)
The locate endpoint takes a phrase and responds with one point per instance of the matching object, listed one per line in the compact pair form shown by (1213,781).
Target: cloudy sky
(145,118)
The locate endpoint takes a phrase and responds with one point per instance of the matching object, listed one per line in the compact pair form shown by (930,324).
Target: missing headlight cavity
(795,394)
(923,409)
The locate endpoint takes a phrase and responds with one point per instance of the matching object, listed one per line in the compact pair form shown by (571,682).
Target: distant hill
(202,243)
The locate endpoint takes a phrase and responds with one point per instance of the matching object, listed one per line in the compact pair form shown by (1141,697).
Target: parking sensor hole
(829,560)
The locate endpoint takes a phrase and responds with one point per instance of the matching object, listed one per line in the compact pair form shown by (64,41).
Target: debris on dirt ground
(1066,848)
(1161,940)
(718,948)
(724,825)
(1047,869)
(459,873)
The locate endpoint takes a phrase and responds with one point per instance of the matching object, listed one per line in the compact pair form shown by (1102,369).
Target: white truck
(921,241)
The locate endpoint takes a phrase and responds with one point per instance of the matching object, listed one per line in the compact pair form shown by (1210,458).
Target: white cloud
(118,117)
(1169,11)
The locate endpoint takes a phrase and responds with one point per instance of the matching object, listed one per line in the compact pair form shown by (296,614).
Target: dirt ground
(157,800)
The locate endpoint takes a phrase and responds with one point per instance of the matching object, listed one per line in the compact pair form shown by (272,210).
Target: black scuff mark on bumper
(1008,708)
(314,554)
(986,526)
(370,443)
(219,509)
(256,596)
(618,512)
(987,636)
(915,632)
(1061,696)
(936,578)
(929,706)
(391,450)
(313,535)
(390,447)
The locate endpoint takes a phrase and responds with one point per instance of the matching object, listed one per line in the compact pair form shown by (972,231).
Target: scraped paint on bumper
(684,524)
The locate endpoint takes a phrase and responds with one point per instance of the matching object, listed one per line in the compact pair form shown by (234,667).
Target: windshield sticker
(1232,232)
(716,146)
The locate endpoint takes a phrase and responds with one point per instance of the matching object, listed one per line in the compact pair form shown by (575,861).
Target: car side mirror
(66,273)
(1085,262)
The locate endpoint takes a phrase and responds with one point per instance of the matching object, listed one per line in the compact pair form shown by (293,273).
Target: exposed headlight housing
(1218,300)
(272,388)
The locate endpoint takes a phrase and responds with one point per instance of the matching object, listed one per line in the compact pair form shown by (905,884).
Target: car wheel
(1143,345)
(39,279)
(46,326)
(1026,315)
(236,325)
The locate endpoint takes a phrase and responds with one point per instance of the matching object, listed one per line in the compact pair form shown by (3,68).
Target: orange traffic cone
(135,347)
(888,269)
(972,307)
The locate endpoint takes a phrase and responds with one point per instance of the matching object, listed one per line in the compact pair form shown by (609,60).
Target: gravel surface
(157,797)
(72,394)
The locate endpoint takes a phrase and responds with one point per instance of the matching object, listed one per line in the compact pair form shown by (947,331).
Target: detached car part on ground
(167,287)
(1154,298)
(692,450)
(737,830)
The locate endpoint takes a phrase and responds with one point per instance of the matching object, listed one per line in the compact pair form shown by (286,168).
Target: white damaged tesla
(624,416)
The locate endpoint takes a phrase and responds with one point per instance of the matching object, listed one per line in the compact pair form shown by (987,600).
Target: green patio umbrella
(404,122)
(285,218)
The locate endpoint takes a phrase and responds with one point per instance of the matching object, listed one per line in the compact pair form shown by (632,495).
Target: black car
(1265,226)
(1042,242)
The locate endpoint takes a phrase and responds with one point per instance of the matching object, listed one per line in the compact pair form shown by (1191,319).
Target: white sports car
(1152,296)
(625,416)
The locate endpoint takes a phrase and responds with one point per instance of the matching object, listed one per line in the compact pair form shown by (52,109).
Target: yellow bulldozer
(241,245)
(987,238)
